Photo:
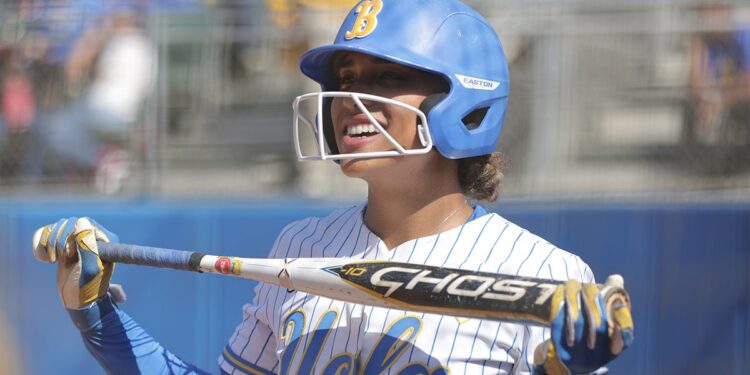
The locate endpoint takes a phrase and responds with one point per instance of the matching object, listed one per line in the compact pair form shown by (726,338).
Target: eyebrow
(342,63)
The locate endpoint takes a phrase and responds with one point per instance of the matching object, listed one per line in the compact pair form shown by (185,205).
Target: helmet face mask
(326,147)
(442,37)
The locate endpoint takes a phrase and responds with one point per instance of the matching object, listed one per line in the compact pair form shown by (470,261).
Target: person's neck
(399,212)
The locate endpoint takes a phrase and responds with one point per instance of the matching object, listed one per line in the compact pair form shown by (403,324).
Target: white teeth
(361,129)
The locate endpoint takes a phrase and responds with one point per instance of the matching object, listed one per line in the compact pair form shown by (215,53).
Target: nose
(350,103)
(346,102)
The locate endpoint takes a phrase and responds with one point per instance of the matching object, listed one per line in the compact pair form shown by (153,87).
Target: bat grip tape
(150,256)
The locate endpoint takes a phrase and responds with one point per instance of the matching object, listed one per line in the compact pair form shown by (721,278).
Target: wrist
(88,318)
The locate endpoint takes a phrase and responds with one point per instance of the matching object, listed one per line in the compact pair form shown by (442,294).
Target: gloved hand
(590,327)
(82,277)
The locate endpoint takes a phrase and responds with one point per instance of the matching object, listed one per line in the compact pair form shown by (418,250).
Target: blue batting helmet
(443,37)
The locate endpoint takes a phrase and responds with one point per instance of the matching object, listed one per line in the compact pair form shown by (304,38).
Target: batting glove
(586,332)
(82,277)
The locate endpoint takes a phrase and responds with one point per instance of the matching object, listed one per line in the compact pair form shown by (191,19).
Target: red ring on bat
(223,266)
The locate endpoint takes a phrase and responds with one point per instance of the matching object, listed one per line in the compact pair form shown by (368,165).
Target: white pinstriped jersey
(297,333)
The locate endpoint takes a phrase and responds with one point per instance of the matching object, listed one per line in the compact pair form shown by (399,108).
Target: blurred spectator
(45,74)
(17,111)
(111,68)
(18,106)
(307,23)
(286,13)
(720,79)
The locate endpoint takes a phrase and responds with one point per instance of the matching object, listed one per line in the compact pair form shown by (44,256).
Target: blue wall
(686,266)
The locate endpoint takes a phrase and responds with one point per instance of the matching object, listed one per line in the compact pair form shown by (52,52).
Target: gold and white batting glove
(82,277)
(591,325)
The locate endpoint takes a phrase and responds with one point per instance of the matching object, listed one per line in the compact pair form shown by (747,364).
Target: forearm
(121,346)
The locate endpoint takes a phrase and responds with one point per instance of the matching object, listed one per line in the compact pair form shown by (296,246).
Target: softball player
(413,100)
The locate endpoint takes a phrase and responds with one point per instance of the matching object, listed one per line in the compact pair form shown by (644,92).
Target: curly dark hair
(481,176)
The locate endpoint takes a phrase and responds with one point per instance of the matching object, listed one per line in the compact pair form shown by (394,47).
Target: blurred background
(627,137)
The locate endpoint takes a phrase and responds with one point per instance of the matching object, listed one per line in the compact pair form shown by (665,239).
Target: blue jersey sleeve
(121,346)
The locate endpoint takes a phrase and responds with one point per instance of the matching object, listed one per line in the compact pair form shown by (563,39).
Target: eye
(391,78)
(346,80)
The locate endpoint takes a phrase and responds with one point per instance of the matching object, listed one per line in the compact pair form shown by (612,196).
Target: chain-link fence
(607,99)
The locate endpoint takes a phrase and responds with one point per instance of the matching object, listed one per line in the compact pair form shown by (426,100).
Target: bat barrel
(150,256)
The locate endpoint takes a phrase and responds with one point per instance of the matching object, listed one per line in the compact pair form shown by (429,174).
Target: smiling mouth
(357,131)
